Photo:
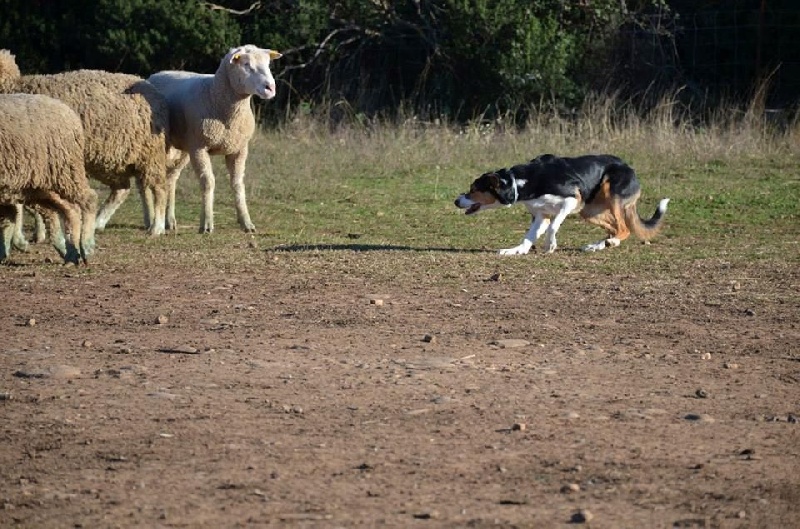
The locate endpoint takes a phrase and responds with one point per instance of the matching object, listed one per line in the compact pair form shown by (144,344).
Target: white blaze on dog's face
(483,194)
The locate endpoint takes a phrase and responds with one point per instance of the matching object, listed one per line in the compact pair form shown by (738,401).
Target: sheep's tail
(646,229)
(8,66)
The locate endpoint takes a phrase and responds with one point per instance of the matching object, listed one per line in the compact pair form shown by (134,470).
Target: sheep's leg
(112,203)
(40,233)
(71,216)
(88,220)
(176,161)
(201,163)
(8,225)
(157,203)
(146,196)
(18,240)
(57,238)
(236,164)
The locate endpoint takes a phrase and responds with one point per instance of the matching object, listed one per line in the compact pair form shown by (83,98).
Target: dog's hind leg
(606,211)
(538,226)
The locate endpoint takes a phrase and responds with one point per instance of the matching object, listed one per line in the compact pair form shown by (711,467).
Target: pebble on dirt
(162,319)
(698,417)
(510,343)
(582,516)
(62,372)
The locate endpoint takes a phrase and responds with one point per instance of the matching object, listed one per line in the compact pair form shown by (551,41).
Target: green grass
(315,193)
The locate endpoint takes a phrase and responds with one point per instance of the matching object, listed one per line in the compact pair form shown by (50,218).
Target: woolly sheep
(126,122)
(42,165)
(211,115)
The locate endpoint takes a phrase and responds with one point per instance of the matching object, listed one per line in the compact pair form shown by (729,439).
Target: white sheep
(211,115)
(42,165)
(126,123)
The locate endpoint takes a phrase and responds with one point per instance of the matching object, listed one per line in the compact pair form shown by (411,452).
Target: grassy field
(734,188)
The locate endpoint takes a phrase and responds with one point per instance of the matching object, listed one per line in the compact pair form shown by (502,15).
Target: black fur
(554,175)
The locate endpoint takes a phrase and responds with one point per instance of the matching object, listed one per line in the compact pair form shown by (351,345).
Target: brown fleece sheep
(42,165)
(126,123)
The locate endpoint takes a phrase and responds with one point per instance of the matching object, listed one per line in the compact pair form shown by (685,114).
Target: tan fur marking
(482,198)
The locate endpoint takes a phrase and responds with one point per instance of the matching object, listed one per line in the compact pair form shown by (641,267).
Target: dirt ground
(291,393)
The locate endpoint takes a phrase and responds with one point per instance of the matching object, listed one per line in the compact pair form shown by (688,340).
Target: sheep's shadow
(371,248)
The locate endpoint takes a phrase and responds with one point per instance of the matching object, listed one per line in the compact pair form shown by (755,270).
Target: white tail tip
(662,206)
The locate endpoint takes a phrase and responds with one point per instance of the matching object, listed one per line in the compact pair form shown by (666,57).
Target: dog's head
(490,190)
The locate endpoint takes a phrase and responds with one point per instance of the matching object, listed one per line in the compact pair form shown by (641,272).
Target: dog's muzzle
(462,202)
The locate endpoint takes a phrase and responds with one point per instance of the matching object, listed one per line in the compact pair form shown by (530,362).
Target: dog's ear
(494,180)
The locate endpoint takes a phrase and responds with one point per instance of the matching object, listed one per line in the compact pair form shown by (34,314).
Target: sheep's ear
(274,54)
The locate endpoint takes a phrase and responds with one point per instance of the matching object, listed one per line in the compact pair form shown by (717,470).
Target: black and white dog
(602,188)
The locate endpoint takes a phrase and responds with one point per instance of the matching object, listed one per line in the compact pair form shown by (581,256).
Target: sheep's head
(248,70)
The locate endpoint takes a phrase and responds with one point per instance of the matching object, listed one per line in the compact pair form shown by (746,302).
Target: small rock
(495,277)
(510,343)
(791,418)
(571,488)
(62,372)
(5,395)
(750,312)
(701,393)
(741,514)
(162,319)
(163,395)
(582,516)
(31,322)
(181,349)
(429,338)
(730,365)
(705,356)
(736,285)
(376,302)
(429,515)
(519,426)
(87,343)
(699,417)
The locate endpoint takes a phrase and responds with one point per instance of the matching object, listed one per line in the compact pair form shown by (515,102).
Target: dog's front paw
(522,249)
(595,246)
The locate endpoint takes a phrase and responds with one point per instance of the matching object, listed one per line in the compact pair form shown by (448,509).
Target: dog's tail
(645,229)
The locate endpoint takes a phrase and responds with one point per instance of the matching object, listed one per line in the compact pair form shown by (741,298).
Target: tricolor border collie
(602,188)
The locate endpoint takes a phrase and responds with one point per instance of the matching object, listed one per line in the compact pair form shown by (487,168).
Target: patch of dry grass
(318,191)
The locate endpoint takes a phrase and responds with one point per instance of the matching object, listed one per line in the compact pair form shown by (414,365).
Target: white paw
(522,249)
(550,245)
(595,246)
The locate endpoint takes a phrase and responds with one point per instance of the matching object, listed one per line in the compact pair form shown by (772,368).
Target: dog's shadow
(395,248)
(371,248)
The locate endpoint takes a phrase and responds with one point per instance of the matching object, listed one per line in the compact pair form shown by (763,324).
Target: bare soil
(301,389)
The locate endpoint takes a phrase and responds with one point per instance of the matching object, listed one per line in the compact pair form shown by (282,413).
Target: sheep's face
(249,72)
